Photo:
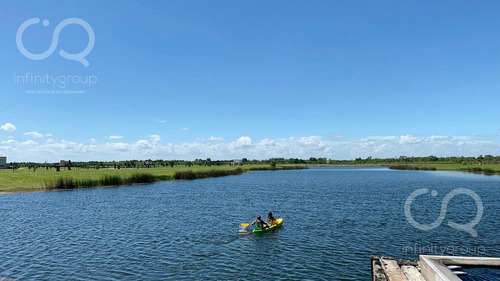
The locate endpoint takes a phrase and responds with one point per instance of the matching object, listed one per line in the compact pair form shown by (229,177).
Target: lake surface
(334,220)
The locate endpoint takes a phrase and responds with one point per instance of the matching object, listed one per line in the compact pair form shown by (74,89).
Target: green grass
(413,167)
(193,175)
(24,180)
(487,169)
(106,180)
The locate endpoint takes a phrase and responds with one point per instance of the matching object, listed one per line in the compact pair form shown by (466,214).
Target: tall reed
(66,183)
(192,175)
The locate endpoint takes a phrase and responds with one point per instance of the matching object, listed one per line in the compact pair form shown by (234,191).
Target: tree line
(149,163)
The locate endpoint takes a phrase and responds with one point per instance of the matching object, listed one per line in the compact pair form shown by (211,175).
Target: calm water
(334,220)
(481,274)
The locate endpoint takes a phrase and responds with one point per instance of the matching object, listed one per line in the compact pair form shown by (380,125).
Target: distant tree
(321,161)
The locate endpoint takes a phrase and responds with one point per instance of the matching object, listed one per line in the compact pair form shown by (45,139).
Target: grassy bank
(194,175)
(65,183)
(487,169)
(25,180)
(412,167)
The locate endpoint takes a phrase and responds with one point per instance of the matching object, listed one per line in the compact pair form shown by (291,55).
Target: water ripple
(335,219)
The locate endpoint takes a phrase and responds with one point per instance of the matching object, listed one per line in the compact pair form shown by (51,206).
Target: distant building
(236,163)
(3,162)
(64,163)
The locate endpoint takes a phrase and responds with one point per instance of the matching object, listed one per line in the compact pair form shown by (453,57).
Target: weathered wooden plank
(412,274)
(378,273)
(392,270)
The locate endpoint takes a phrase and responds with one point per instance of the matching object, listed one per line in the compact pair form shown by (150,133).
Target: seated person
(270,219)
(259,223)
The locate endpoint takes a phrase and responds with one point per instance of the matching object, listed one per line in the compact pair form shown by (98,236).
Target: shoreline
(116,178)
(192,173)
(487,169)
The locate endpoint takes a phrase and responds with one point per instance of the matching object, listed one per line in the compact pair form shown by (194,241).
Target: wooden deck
(388,269)
(427,268)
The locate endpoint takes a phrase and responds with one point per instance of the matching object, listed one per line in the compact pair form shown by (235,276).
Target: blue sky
(259,79)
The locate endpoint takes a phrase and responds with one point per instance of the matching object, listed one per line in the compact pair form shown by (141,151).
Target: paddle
(245,224)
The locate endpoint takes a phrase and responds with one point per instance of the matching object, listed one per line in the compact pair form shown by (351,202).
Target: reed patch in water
(67,183)
(193,175)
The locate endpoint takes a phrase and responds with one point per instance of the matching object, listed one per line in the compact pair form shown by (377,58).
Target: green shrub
(141,178)
(402,167)
(61,183)
(87,183)
(163,178)
(191,175)
(293,167)
(488,171)
(111,180)
(475,170)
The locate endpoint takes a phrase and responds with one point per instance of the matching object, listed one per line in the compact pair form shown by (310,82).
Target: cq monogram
(469,227)
(80,57)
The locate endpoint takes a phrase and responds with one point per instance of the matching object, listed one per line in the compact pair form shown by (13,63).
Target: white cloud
(119,146)
(379,138)
(115,137)
(49,135)
(154,138)
(185,129)
(93,141)
(29,142)
(245,146)
(409,139)
(144,144)
(211,138)
(9,127)
(35,135)
(162,121)
(244,141)
(309,141)
(267,142)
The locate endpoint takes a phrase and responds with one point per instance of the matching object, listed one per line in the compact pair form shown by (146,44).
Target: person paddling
(270,219)
(259,223)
